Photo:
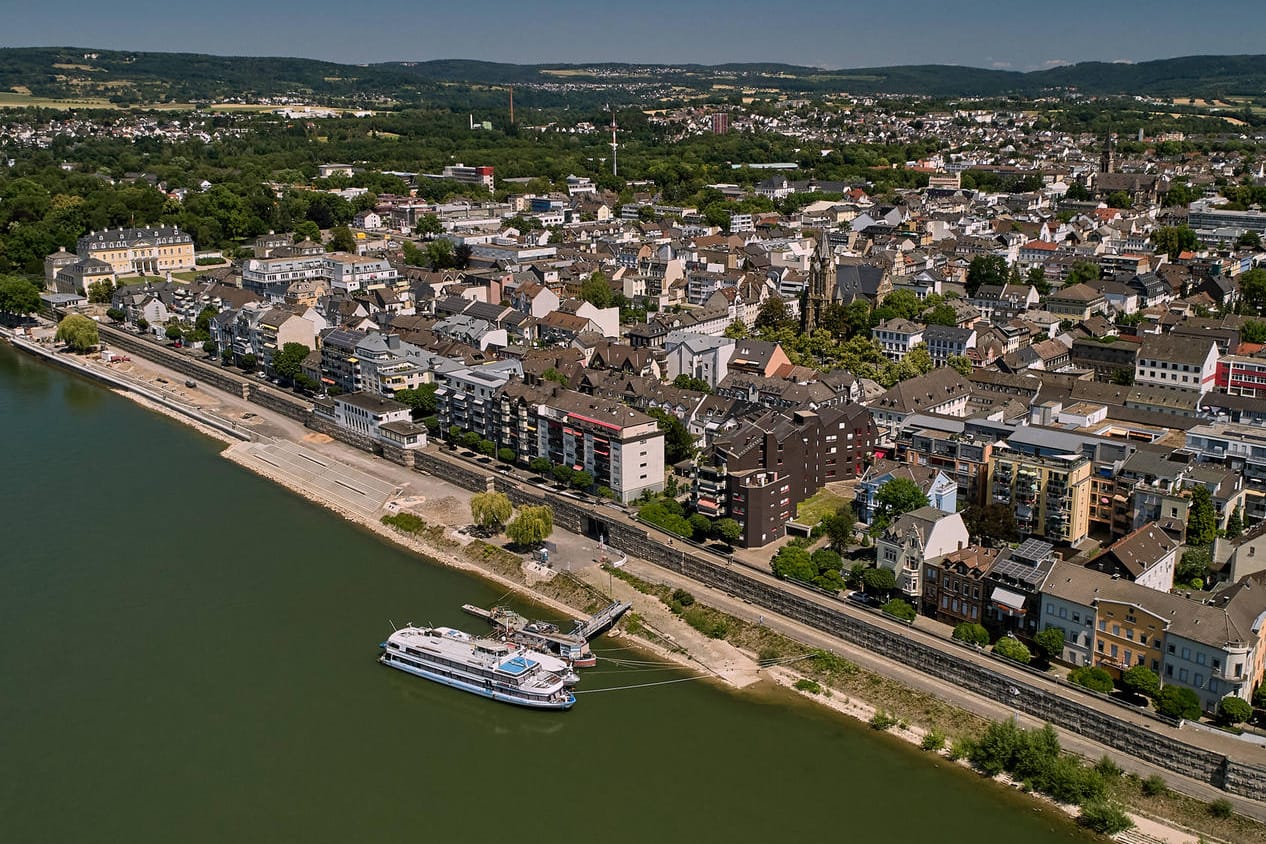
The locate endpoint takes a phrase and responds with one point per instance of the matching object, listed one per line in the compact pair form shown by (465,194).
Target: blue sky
(1016,35)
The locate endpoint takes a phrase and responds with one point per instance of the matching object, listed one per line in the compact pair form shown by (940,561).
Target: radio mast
(615,170)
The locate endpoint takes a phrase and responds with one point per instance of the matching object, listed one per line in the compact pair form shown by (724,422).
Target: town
(1015,385)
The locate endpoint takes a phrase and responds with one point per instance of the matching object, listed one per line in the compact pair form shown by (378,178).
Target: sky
(1012,34)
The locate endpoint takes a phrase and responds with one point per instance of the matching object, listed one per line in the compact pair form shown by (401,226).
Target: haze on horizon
(1021,35)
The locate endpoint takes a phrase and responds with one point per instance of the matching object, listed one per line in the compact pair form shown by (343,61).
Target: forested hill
(78,72)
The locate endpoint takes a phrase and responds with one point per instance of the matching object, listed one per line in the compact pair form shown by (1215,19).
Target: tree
(1173,240)
(678,443)
(1249,240)
(972,634)
(1202,518)
(99,292)
(471,440)
(1140,681)
(986,269)
(1104,817)
(210,348)
(506,455)
(700,526)
(581,479)
(687,382)
(307,230)
(429,225)
(1036,278)
(421,399)
(173,332)
(941,315)
(897,496)
(341,240)
(736,330)
(116,314)
(1123,377)
(78,333)
(1233,710)
(440,254)
(247,361)
(1012,648)
(1081,272)
(18,297)
(1120,199)
(1091,677)
(1253,290)
(487,447)
(898,608)
(1235,524)
(838,526)
(879,580)
(994,522)
(727,530)
(1178,702)
(562,473)
(539,465)
(1050,642)
(794,562)
(596,290)
(554,375)
(960,364)
(774,316)
(531,526)
(490,510)
(288,362)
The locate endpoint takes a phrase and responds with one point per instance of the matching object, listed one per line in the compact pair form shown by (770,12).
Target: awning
(1007,600)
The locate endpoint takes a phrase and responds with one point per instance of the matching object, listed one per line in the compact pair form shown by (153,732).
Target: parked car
(864,599)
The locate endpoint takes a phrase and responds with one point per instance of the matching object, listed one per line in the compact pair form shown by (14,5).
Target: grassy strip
(416,526)
(1188,811)
(827,669)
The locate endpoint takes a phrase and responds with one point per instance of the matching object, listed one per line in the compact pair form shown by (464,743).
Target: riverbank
(561,594)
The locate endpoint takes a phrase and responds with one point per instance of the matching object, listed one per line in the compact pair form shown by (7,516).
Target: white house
(915,537)
(698,356)
(1177,363)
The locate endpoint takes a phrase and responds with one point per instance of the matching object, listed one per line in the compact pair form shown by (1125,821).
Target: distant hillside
(124,77)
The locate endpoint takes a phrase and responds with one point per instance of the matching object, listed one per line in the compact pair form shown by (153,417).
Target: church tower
(820,281)
(1108,160)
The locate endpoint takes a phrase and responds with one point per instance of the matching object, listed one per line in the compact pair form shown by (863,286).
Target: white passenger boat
(480,666)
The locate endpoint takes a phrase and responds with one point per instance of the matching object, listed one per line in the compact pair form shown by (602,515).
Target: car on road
(864,599)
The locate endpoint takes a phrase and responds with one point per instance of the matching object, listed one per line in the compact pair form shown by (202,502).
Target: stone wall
(325,426)
(208,373)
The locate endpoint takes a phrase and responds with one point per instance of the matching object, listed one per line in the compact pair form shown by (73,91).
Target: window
(1169,671)
(1200,658)
(1182,675)
(1186,653)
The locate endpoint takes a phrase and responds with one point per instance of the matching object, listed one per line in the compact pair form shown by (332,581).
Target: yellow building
(1050,494)
(1127,635)
(155,251)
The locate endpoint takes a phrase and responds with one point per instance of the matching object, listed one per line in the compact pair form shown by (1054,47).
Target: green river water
(187,655)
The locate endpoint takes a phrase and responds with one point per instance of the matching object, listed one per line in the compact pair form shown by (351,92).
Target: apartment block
(1050,494)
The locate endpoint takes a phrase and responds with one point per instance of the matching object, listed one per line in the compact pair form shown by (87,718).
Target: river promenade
(256,435)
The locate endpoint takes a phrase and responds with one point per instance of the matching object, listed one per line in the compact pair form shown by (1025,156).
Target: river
(187,654)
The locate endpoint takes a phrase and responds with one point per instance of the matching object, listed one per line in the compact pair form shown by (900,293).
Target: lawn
(823,503)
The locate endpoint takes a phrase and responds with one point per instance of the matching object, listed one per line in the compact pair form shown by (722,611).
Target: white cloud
(1000,65)
(1055,62)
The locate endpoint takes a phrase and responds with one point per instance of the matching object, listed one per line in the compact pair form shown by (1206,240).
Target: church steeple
(1108,160)
(817,297)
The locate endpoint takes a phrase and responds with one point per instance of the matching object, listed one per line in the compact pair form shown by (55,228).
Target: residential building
(911,539)
(1177,363)
(379,418)
(940,489)
(945,341)
(1050,494)
(954,589)
(896,337)
(1077,302)
(352,273)
(698,356)
(1014,583)
(1147,556)
(942,391)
